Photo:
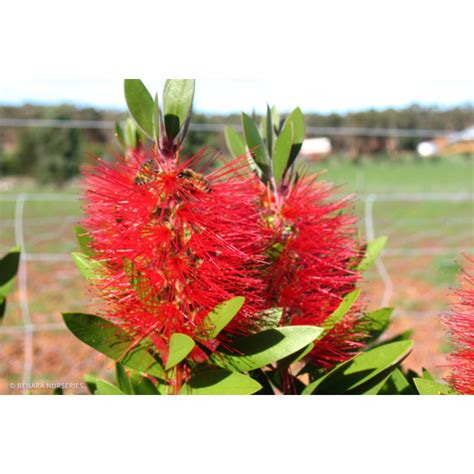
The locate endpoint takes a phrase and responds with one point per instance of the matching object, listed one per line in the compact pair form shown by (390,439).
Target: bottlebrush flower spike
(315,253)
(175,243)
(460,324)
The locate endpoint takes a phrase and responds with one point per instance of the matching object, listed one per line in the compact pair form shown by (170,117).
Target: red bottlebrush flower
(460,324)
(175,244)
(315,255)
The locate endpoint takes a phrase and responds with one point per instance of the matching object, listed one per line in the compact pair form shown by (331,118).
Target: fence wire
(28,328)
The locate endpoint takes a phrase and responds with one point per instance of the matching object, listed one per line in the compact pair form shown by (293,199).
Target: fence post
(370,234)
(28,327)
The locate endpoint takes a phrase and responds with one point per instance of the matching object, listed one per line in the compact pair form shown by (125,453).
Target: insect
(149,171)
(197,180)
(146,173)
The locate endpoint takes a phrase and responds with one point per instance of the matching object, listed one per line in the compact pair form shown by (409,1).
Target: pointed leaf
(340,312)
(427,375)
(131,139)
(282,150)
(119,134)
(297,120)
(3,307)
(156,119)
(269,131)
(143,385)
(430,387)
(140,104)
(221,316)
(235,143)
(112,341)
(91,382)
(377,322)
(106,388)
(373,250)
(180,347)
(357,372)
(178,98)
(256,147)
(217,381)
(263,348)
(376,383)
(397,384)
(89,268)
(296,357)
(122,379)
(275,121)
(8,269)
(403,336)
(83,239)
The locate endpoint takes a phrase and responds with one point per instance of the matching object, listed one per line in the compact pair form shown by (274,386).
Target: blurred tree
(51,154)
(55,155)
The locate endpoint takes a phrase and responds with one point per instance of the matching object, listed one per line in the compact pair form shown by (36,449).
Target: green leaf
(256,147)
(430,387)
(403,336)
(156,119)
(377,383)
(235,143)
(131,138)
(427,375)
(58,391)
(143,385)
(269,346)
(373,250)
(178,98)
(3,307)
(362,372)
(119,134)
(106,388)
(91,382)
(83,239)
(221,316)
(296,357)
(262,377)
(340,312)
(122,379)
(218,381)
(140,104)
(282,150)
(8,269)
(89,268)
(397,384)
(269,131)
(377,322)
(180,347)
(297,120)
(112,341)
(275,121)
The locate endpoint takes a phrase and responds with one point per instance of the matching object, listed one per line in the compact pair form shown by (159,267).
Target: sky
(234,95)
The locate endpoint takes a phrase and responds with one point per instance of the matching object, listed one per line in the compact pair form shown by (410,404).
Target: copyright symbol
(12,386)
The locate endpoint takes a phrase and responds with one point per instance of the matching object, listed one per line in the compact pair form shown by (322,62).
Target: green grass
(449,175)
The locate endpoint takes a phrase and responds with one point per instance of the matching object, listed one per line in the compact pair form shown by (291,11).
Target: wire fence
(219,128)
(28,328)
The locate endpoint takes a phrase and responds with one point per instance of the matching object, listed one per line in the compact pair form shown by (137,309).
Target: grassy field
(422,259)
(455,174)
